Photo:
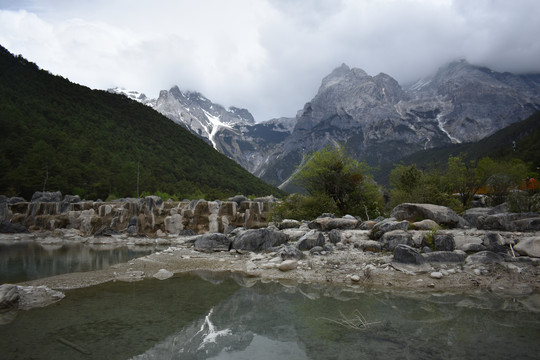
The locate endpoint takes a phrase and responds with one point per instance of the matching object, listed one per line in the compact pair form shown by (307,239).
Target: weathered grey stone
(238,199)
(426,224)
(8,228)
(528,246)
(369,245)
(391,239)
(493,241)
(311,239)
(334,236)
(105,231)
(440,214)
(46,196)
(473,247)
(328,223)
(212,242)
(444,242)
(444,257)
(288,224)
(259,239)
(386,225)
(436,275)
(9,296)
(37,296)
(472,215)
(289,252)
(510,222)
(484,257)
(407,254)
(316,250)
(288,265)
(163,274)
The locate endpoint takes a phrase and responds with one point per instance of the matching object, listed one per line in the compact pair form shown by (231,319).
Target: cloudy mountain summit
(375,117)
(380,121)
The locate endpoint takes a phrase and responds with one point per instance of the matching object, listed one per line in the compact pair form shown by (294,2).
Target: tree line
(336,183)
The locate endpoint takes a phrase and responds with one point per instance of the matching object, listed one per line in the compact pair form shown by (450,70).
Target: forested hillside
(517,141)
(56,135)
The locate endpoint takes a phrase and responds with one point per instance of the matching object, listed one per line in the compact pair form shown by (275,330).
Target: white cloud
(266,55)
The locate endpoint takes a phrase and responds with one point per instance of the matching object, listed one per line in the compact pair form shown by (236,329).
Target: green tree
(330,173)
(502,177)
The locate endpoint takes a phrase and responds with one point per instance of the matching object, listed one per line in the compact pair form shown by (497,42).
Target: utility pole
(46,176)
(138,173)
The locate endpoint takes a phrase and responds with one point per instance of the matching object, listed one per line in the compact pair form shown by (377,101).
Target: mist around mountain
(380,122)
(377,119)
(57,135)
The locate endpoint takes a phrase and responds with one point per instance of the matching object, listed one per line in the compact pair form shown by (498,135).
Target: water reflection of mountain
(269,321)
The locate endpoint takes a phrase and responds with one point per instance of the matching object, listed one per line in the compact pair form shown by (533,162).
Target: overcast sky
(268,56)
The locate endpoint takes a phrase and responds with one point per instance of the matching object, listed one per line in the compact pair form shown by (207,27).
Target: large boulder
(414,212)
(510,222)
(444,242)
(494,242)
(310,240)
(334,236)
(387,225)
(212,242)
(393,238)
(329,223)
(484,257)
(9,296)
(407,255)
(472,215)
(529,246)
(444,257)
(46,196)
(259,239)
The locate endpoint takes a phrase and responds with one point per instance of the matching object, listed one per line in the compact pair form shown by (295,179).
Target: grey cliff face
(379,121)
(376,118)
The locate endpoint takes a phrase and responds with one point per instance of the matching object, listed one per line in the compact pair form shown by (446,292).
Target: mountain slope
(56,135)
(525,134)
(379,121)
(231,131)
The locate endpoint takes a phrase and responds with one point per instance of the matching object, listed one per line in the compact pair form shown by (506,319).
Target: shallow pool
(223,316)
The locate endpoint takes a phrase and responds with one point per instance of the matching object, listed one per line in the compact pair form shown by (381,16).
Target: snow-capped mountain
(231,131)
(134,95)
(376,118)
(380,121)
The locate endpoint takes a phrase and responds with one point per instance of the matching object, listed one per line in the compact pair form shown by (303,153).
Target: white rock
(355,278)
(163,274)
(436,275)
(288,265)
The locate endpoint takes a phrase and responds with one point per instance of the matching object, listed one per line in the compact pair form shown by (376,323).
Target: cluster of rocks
(419,238)
(146,216)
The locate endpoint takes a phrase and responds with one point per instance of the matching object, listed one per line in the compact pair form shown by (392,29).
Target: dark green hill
(525,134)
(62,136)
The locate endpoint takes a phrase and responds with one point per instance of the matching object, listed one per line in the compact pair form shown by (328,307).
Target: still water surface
(28,260)
(212,316)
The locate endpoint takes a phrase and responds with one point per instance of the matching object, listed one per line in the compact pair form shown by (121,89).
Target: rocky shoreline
(435,253)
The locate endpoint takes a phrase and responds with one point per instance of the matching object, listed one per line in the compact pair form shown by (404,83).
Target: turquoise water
(211,316)
(28,260)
